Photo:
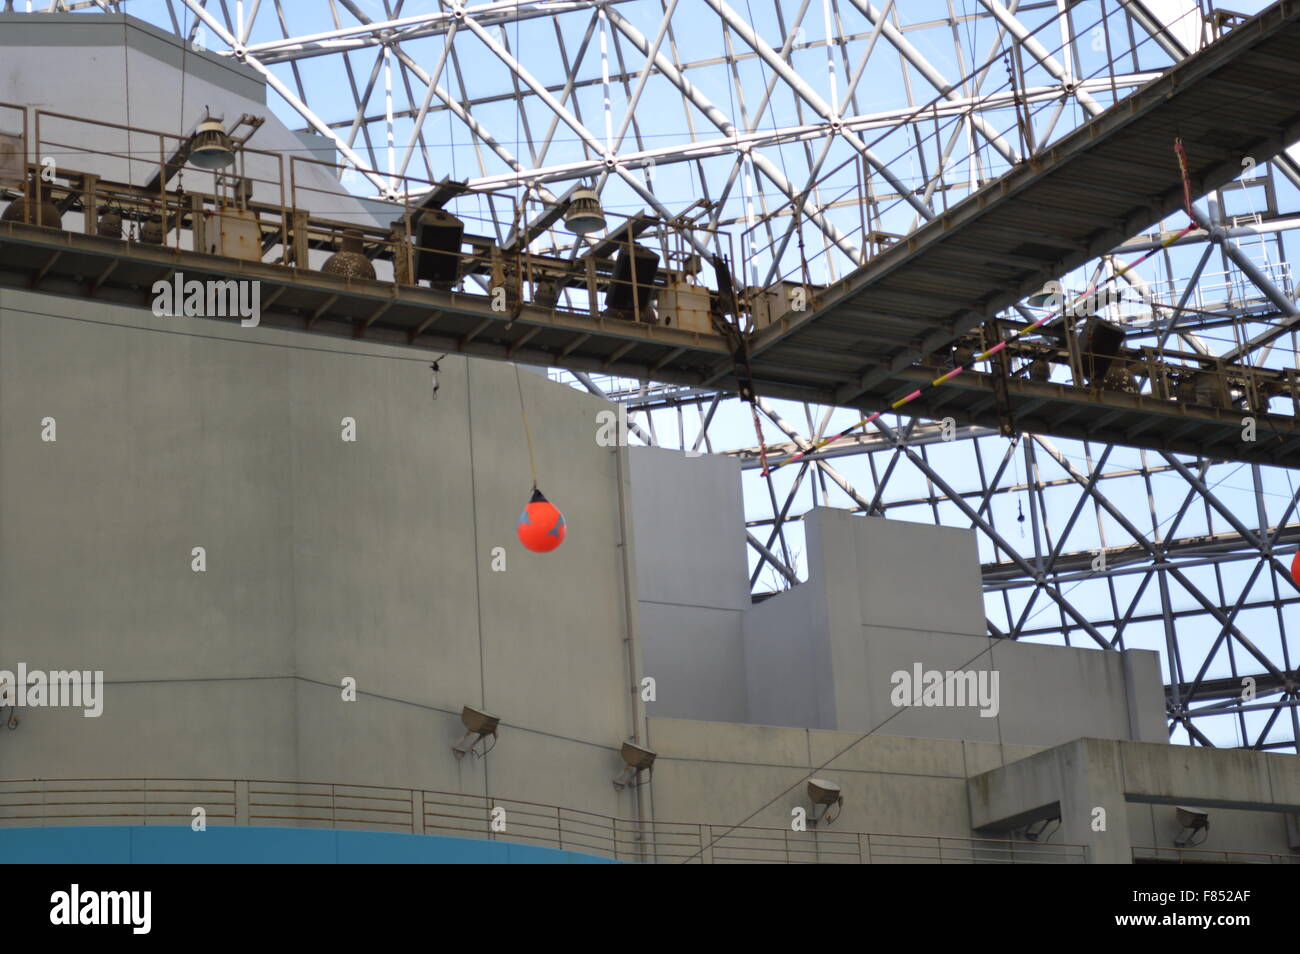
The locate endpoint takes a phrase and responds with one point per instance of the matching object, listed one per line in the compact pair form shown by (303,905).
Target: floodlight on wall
(1038,831)
(109,224)
(637,758)
(584,215)
(479,725)
(825,796)
(210,147)
(1191,821)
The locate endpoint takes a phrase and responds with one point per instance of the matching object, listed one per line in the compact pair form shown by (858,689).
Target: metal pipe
(639,728)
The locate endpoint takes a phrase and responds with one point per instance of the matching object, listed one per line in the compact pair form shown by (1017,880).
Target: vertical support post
(1072,346)
(198,223)
(32,188)
(284,223)
(300,238)
(89,204)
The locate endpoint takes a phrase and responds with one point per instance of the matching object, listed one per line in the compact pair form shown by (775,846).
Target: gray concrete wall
(733,774)
(885,595)
(325,559)
(788,668)
(691,583)
(1156,827)
(1113,795)
(947,788)
(118,69)
(882,596)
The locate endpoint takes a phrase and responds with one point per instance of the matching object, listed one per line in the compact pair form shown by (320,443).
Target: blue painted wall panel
(257,845)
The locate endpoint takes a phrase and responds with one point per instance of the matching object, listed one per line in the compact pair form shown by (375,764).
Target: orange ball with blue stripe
(541,525)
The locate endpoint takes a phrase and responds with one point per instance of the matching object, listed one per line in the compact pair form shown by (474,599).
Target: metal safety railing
(1145,854)
(59,802)
(290,211)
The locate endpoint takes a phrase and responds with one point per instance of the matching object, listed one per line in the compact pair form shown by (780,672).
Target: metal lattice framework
(817,134)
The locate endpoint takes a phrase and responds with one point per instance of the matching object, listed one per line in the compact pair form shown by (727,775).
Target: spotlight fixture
(26,209)
(350,260)
(1038,831)
(210,146)
(1192,820)
(480,725)
(825,795)
(584,214)
(151,230)
(109,224)
(637,758)
(1040,298)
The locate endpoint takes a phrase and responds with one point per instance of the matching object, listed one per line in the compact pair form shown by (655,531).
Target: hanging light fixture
(210,147)
(109,224)
(350,261)
(151,230)
(1042,297)
(44,213)
(584,215)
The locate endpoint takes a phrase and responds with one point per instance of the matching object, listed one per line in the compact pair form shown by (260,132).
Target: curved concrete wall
(325,559)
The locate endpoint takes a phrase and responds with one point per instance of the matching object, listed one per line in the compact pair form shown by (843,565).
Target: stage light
(637,758)
(825,795)
(479,725)
(210,146)
(584,214)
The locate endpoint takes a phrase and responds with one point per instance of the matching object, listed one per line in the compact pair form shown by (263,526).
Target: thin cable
(528,433)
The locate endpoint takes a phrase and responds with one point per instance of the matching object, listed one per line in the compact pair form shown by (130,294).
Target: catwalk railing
(56,802)
(1148,854)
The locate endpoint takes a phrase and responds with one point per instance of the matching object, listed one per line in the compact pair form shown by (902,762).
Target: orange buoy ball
(1295,568)
(541,525)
